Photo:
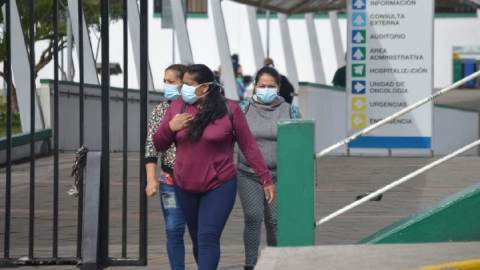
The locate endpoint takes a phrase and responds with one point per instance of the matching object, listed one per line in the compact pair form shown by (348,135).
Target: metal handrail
(396,183)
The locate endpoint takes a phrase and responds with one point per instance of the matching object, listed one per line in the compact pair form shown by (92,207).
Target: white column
(337,39)
(228,75)
(255,35)
(288,50)
(90,70)
(315,49)
(20,70)
(184,48)
(69,49)
(134,27)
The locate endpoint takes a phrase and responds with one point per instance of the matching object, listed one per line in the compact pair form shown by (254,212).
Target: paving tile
(341,179)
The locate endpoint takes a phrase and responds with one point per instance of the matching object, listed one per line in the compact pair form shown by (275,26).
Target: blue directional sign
(358,53)
(358,87)
(359,4)
(359,36)
(359,19)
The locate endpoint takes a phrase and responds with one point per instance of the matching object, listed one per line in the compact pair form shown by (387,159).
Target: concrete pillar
(337,39)
(256,38)
(20,67)
(289,56)
(90,70)
(315,50)
(228,75)
(184,47)
(134,27)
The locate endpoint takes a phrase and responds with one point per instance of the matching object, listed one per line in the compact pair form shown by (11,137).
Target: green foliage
(44,19)
(16,124)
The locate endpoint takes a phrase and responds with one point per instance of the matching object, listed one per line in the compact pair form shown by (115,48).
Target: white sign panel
(390,67)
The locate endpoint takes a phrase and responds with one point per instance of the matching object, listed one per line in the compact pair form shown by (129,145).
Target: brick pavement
(341,179)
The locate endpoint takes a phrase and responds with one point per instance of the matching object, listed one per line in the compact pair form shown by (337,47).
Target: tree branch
(47,56)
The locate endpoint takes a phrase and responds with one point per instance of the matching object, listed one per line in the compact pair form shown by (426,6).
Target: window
(459,8)
(197,6)
(262,13)
(157,6)
(193,7)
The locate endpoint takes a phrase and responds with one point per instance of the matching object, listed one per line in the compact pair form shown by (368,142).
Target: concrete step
(373,257)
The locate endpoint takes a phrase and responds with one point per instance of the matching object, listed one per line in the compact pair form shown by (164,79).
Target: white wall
(452,128)
(69,116)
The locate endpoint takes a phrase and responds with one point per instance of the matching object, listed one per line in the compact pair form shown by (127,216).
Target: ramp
(454,219)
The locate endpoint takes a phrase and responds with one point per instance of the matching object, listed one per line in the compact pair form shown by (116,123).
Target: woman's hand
(152,187)
(180,121)
(269,193)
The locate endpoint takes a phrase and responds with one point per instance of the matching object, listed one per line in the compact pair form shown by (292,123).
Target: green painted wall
(24,138)
(454,219)
(295,183)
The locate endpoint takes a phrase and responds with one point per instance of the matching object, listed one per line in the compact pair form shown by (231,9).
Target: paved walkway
(341,180)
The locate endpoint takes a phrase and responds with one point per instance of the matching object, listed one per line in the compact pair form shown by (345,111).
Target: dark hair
(235,58)
(247,79)
(212,108)
(269,71)
(178,68)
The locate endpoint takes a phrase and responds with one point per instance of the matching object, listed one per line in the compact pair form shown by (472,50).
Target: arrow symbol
(358,38)
(359,4)
(358,70)
(357,120)
(359,87)
(359,20)
(358,54)
(359,104)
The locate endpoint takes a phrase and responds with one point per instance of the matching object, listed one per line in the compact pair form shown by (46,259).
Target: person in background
(340,77)
(247,81)
(204,126)
(286,88)
(174,220)
(237,69)
(262,111)
(242,85)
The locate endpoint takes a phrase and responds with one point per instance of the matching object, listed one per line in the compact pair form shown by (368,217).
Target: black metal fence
(103,259)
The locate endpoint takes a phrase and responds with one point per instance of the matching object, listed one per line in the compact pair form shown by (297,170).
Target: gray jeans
(255,208)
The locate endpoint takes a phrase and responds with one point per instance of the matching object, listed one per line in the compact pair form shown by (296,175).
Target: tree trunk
(15,108)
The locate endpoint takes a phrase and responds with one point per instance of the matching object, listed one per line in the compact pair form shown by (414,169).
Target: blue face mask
(188,93)
(267,95)
(171,91)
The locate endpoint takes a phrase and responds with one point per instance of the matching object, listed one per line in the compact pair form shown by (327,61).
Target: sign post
(389,67)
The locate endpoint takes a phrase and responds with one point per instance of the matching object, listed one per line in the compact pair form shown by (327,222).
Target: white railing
(396,183)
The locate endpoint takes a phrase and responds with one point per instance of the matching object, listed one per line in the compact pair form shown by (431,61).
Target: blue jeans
(206,215)
(174,225)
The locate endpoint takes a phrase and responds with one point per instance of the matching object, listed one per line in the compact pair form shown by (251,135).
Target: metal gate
(102,258)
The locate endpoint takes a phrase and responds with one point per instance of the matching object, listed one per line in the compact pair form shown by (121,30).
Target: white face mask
(188,93)
(267,95)
(171,91)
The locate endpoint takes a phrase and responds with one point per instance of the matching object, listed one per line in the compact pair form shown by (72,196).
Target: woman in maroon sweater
(205,175)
